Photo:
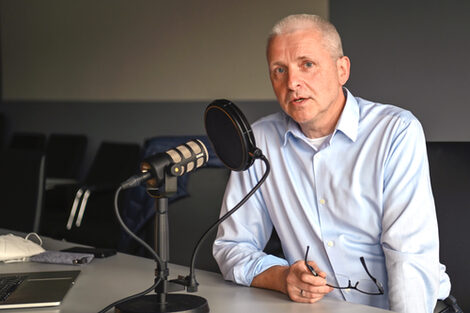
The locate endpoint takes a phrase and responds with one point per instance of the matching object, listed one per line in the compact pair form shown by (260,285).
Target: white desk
(104,281)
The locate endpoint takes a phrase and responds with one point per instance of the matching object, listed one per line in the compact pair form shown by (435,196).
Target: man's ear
(343,65)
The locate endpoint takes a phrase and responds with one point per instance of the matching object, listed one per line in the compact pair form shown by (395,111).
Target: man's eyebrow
(304,57)
(277,63)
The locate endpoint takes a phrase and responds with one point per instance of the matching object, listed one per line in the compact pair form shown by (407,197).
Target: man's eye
(279,70)
(308,64)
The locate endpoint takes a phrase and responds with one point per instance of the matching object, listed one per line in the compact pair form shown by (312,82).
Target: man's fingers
(306,296)
(321,289)
(317,290)
(309,279)
(317,269)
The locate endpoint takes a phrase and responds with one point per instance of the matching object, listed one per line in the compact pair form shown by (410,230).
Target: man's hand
(302,286)
(295,281)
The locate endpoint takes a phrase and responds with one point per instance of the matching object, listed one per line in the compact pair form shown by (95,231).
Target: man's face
(306,79)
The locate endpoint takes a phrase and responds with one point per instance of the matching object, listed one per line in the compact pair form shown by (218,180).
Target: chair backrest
(28,141)
(450,178)
(21,189)
(114,162)
(64,155)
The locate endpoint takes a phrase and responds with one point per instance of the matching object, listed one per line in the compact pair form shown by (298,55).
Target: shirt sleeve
(409,227)
(238,248)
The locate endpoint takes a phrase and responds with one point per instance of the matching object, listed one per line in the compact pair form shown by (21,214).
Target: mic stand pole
(162,246)
(163,302)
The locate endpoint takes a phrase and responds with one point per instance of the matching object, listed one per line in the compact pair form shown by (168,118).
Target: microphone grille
(188,156)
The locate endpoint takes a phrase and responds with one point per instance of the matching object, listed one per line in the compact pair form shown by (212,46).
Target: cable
(143,293)
(130,233)
(143,243)
(192,277)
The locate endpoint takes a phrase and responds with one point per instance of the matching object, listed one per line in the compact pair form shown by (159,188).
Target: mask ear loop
(37,237)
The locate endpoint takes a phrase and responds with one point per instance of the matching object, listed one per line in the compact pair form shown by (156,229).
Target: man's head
(307,70)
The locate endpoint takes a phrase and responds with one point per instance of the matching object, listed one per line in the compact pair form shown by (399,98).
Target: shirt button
(322,201)
(330,243)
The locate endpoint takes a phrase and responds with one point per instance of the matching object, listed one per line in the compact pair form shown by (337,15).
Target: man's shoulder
(270,129)
(376,110)
(271,122)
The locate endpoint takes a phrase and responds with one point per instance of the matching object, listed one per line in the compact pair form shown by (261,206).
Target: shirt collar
(348,122)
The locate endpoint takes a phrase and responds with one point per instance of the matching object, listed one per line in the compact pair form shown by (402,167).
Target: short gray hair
(294,22)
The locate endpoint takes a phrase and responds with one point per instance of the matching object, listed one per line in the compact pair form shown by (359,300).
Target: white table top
(104,281)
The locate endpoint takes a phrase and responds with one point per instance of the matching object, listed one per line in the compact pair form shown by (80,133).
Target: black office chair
(91,219)
(64,155)
(21,189)
(450,178)
(64,160)
(28,141)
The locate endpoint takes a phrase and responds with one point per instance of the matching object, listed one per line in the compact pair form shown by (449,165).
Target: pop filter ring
(243,130)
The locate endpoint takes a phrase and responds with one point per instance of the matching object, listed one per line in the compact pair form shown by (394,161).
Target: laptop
(36,289)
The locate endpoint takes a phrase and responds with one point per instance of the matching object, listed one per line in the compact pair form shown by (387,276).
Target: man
(349,179)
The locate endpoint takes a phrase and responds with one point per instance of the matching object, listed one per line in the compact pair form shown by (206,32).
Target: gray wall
(126,70)
(142,50)
(413,54)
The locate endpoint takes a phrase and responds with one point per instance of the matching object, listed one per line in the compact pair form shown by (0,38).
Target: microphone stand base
(174,303)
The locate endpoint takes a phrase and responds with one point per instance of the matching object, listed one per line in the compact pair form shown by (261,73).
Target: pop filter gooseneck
(234,143)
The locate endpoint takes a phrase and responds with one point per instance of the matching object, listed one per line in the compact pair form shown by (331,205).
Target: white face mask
(17,249)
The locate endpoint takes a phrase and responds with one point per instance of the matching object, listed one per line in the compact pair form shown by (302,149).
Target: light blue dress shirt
(365,192)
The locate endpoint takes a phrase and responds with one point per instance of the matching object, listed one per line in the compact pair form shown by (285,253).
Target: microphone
(174,162)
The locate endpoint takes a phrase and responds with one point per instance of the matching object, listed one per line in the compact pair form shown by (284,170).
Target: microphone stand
(162,301)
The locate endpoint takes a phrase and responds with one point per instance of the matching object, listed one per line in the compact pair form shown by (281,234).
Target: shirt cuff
(261,265)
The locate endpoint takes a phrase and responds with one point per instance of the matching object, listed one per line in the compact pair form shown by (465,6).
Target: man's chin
(300,117)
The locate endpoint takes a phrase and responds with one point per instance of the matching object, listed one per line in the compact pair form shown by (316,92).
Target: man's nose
(293,79)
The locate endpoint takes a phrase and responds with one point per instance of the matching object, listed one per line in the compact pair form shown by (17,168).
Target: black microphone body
(174,162)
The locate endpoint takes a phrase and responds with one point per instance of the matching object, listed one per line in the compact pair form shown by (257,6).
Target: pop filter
(230,134)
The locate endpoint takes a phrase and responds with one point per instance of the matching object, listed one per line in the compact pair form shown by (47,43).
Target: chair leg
(73,211)
(78,222)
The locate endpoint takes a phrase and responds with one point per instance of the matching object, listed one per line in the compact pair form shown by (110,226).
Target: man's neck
(325,124)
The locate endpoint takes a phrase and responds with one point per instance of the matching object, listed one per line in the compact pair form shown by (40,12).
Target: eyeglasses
(367,286)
